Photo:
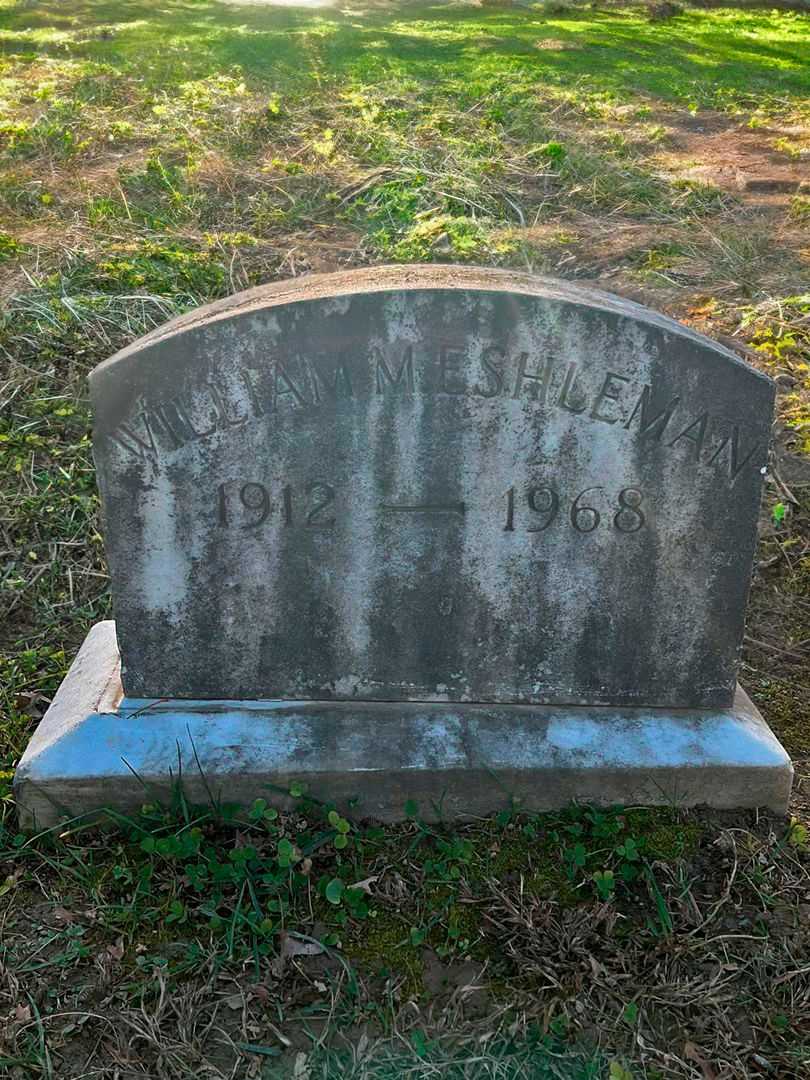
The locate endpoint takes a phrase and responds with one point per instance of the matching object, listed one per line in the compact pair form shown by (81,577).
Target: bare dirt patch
(719,150)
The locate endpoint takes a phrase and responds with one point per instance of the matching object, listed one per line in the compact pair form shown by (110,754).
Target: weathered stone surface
(505,525)
(430,484)
(93,750)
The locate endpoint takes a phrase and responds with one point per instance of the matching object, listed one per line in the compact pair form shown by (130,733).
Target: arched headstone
(403,507)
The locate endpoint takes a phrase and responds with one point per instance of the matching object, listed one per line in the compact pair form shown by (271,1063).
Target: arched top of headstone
(380,279)
(430,483)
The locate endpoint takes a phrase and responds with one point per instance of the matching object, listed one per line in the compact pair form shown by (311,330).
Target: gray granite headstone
(430,484)
(465,537)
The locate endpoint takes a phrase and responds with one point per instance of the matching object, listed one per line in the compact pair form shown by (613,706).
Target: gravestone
(420,532)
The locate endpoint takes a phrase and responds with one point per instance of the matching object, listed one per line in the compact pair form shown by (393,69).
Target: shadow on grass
(695,57)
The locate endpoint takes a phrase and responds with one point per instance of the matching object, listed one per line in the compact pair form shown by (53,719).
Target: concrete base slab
(95,749)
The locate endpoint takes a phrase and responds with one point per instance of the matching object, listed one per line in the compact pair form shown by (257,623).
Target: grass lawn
(157,154)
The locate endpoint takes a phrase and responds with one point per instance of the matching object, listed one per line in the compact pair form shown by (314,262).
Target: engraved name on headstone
(430,484)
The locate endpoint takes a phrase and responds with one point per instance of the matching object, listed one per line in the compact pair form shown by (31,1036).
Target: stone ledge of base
(446,795)
(85,753)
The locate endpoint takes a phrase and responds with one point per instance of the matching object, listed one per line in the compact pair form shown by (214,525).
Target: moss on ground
(382,946)
(786,707)
(667,835)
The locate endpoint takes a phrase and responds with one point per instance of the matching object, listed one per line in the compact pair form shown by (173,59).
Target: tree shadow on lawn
(689,58)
